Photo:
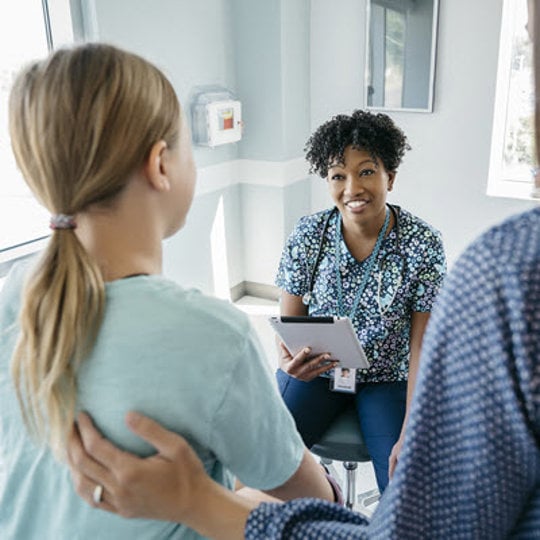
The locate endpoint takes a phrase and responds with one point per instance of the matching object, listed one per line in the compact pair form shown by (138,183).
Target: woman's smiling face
(359,186)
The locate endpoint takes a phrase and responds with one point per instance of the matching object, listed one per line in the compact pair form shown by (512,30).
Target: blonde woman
(100,138)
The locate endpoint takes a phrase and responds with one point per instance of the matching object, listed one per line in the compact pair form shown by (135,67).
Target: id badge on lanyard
(344,380)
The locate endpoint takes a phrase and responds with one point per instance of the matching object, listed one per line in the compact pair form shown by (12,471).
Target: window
(387,51)
(400,54)
(26,33)
(395,58)
(512,146)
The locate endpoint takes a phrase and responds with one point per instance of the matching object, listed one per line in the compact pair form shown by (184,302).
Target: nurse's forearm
(418,327)
(414,362)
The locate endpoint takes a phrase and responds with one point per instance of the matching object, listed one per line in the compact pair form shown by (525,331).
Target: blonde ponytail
(61,315)
(81,122)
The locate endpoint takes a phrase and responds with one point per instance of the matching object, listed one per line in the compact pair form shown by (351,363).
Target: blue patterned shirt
(470,465)
(410,268)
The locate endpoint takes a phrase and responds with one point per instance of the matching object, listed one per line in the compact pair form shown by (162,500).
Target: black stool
(343,442)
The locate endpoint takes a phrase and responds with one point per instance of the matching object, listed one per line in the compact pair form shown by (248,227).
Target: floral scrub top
(405,277)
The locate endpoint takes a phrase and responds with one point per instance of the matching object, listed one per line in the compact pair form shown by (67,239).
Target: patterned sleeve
(305,519)
(431,273)
(293,271)
(470,461)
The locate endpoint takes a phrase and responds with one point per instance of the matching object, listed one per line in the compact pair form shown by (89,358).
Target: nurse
(370,261)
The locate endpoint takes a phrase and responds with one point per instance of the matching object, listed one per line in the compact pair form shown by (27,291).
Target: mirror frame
(432,65)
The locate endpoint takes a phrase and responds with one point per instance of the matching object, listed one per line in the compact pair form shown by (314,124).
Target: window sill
(513,189)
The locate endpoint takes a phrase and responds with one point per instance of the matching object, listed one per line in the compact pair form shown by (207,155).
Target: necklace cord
(367,272)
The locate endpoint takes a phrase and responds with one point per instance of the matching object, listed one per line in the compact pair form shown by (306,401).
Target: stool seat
(343,440)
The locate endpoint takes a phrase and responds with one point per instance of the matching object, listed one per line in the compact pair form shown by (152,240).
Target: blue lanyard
(369,265)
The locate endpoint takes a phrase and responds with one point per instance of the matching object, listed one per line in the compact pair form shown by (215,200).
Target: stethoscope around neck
(391,259)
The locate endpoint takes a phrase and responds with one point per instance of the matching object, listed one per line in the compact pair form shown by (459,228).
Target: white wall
(260,50)
(192,43)
(443,179)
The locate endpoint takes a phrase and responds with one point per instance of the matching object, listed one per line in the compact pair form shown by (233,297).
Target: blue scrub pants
(380,406)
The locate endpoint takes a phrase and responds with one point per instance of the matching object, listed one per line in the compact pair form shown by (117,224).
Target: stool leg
(369,497)
(350,483)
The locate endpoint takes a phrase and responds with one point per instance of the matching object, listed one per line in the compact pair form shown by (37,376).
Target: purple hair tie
(62,221)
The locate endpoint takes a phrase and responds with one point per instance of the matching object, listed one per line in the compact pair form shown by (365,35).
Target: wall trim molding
(251,172)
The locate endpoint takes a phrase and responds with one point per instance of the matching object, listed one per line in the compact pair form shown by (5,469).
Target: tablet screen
(333,335)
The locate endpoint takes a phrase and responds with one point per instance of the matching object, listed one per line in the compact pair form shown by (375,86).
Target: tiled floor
(259,310)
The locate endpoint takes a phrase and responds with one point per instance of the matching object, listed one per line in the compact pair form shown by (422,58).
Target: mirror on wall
(400,63)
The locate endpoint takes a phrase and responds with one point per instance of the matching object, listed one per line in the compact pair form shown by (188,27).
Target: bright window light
(512,147)
(218,243)
(24,28)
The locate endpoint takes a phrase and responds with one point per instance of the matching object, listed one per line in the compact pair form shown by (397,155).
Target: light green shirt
(191,362)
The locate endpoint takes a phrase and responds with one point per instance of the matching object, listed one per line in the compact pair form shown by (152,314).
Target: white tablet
(333,335)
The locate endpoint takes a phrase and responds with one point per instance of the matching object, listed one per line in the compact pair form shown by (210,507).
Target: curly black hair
(374,133)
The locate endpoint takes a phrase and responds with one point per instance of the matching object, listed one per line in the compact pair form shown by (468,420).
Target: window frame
(56,34)
(503,183)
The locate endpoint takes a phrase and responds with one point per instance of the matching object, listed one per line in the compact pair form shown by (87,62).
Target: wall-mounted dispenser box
(216,118)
